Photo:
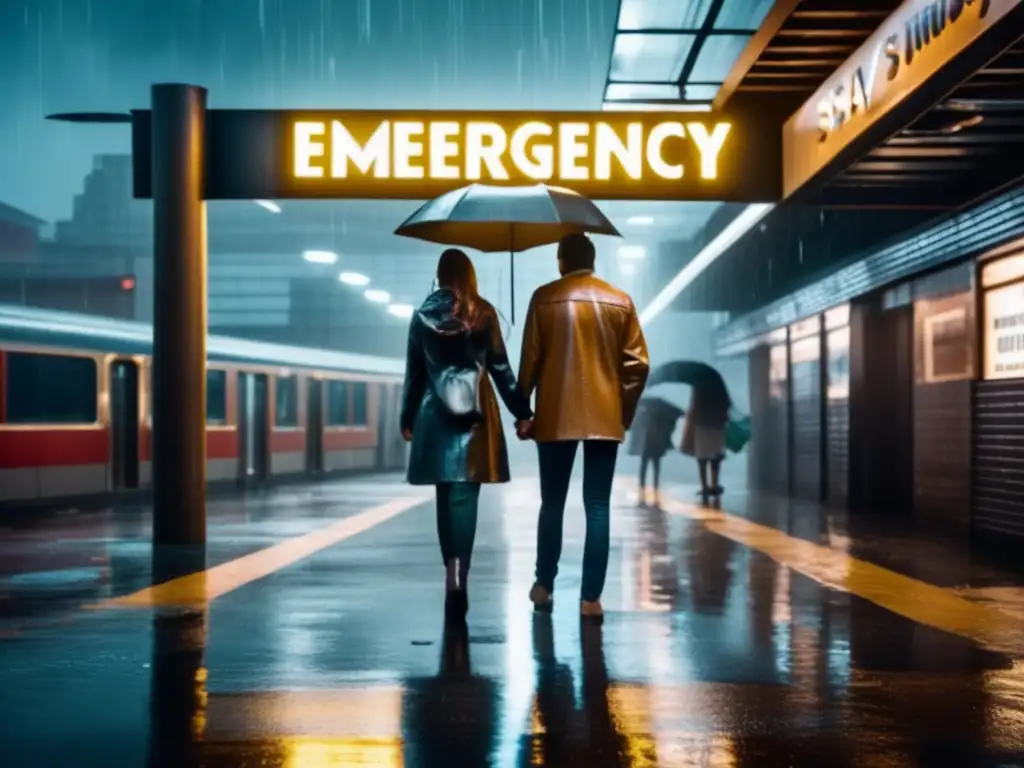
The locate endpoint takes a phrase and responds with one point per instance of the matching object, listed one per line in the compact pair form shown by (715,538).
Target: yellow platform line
(205,586)
(913,599)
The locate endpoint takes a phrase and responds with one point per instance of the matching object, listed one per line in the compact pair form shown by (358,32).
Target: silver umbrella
(498,219)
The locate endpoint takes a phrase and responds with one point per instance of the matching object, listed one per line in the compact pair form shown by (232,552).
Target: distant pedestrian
(651,439)
(704,433)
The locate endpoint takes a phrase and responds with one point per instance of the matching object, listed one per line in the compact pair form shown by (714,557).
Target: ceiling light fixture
(377,296)
(401,310)
(268,205)
(353,278)
(640,221)
(320,257)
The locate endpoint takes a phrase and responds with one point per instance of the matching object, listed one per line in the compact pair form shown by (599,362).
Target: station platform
(761,633)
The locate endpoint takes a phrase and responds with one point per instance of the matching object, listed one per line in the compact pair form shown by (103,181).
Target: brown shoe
(591,610)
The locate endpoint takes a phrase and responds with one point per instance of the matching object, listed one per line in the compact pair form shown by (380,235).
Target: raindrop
(262,17)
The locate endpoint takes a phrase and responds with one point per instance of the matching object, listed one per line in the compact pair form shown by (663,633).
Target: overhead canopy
(678,52)
(944,133)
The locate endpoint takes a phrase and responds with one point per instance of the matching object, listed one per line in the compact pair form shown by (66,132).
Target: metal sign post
(179,314)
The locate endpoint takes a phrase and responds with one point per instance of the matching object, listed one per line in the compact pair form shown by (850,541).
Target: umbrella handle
(512,282)
(512,268)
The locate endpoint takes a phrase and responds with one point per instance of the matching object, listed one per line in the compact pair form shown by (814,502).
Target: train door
(124,424)
(314,425)
(253,427)
(383,425)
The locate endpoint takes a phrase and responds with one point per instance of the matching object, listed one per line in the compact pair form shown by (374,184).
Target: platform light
(353,278)
(401,310)
(268,205)
(377,296)
(736,229)
(640,221)
(631,252)
(320,257)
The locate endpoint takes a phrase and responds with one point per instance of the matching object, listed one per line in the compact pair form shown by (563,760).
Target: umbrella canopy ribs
(479,150)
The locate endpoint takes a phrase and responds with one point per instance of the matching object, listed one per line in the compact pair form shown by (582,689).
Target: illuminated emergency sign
(539,151)
(405,155)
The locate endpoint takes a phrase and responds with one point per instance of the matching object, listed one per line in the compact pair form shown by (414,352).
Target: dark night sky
(68,55)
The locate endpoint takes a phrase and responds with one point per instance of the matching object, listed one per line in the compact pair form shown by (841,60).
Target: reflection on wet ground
(712,653)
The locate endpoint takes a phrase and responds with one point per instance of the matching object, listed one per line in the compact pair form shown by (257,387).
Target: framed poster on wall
(1004,332)
(947,351)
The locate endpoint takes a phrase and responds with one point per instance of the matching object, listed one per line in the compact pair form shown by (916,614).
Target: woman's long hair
(456,273)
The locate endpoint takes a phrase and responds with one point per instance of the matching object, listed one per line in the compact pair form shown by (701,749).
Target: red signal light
(127,283)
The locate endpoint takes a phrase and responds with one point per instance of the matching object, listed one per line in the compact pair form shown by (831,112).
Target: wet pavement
(315,639)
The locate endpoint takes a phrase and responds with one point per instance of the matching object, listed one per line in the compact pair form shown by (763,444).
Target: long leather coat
(584,353)
(448,401)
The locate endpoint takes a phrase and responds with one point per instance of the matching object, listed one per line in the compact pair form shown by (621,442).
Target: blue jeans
(556,461)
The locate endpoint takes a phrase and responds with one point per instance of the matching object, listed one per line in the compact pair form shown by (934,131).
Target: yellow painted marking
(916,600)
(205,586)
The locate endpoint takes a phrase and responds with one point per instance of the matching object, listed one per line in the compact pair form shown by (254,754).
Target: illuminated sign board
(910,47)
(404,155)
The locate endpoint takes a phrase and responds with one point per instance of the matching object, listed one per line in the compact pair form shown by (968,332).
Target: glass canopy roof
(677,53)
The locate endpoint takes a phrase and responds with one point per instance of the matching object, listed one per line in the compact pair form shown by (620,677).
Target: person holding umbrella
(704,431)
(651,439)
(450,414)
(585,355)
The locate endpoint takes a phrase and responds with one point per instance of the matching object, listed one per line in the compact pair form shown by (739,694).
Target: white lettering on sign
(373,155)
(1004,331)
(449,150)
(541,165)
(443,139)
(922,28)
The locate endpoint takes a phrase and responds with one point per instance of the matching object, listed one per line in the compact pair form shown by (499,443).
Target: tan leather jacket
(585,354)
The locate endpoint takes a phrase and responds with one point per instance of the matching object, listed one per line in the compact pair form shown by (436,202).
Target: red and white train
(75,417)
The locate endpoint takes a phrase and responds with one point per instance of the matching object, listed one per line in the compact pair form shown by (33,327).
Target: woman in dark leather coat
(450,414)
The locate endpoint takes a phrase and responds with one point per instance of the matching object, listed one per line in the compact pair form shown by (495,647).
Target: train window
(216,397)
(337,403)
(359,404)
(50,389)
(286,412)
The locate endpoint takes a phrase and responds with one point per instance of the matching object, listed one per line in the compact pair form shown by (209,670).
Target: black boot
(456,602)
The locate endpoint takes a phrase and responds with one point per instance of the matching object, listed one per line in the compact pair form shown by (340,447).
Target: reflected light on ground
(317,753)
(519,707)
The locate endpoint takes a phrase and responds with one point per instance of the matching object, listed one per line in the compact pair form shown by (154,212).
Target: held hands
(407,434)
(524,429)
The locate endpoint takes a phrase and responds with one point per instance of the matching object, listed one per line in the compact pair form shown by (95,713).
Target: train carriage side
(77,422)
(54,436)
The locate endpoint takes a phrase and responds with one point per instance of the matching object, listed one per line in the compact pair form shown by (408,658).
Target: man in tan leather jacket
(585,355)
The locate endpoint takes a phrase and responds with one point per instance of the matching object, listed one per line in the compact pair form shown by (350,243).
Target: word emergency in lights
(477,150)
